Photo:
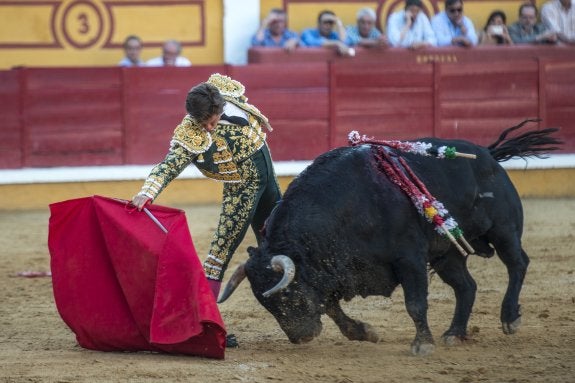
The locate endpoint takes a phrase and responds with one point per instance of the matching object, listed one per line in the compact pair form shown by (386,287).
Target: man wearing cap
(451,27)
(410,27)
(329,33)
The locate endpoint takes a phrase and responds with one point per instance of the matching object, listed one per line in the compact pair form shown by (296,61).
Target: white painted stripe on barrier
(140,172)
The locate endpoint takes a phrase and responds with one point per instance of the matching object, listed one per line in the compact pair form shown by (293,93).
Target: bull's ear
(252,250)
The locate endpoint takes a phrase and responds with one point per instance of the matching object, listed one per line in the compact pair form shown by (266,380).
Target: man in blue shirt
(410,28)
(451,27)
(274,33)
(330,33)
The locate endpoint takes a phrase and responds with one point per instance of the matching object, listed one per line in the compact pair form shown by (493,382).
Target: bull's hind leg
(516,261)
(412,274)
(452,269)
(351,328)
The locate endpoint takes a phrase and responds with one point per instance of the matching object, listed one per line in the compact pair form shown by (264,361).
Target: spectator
(559,17)
(364,33)
(527,30)
(325,35)
(410,27)
(495,30)
(171,51)
(451,27)
(274,33)
(132,50)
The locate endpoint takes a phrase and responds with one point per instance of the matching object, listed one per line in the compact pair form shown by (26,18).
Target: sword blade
(155,220)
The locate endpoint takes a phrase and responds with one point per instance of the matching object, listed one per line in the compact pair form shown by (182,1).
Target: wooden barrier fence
(313,98)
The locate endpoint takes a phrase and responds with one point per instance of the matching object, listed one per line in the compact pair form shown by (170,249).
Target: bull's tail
(534,143)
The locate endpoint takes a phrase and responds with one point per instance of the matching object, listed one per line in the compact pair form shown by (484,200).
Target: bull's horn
(237,277)
(285,264)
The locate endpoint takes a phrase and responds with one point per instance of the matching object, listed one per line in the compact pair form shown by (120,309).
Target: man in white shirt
(170,56)
(410,28)
(559,17)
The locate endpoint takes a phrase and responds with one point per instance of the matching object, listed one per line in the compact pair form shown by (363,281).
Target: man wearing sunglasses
(451,27)
(329,33)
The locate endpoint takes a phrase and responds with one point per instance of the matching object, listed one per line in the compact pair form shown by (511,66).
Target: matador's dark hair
(203,101)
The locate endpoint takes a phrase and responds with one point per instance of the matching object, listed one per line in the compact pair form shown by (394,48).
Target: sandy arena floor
(36,346)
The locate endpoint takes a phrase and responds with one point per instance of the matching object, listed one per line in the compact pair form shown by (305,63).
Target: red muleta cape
(122,284)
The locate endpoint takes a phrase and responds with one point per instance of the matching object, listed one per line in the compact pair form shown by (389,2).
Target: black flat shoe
(231,341)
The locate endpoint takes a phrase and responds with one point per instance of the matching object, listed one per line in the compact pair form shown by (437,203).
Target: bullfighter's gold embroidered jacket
(216,154)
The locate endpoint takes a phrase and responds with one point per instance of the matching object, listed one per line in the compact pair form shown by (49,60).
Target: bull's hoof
(422,349)
(370,333)
(362,332)
(511,328)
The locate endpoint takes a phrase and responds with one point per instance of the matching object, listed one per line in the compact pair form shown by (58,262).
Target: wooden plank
(490,108)
(10,131)
(297,104)
(478,100)
(386,102)
(479,54)
(559,99)
(72,117)
(273,76)
(302,141)
(155,98)
(482,131)
(295,99)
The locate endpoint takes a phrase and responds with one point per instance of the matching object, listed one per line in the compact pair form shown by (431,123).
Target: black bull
(344,229)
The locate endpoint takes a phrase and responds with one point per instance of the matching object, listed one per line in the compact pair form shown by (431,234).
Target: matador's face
(211,123)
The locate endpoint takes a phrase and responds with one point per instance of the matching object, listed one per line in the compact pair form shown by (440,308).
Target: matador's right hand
(140,200)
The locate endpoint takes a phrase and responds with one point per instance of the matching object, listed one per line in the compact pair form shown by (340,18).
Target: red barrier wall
(154,103)
(11,131)
(295,98)
(113,116)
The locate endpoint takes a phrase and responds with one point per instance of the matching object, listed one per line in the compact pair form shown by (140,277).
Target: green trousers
(245,203)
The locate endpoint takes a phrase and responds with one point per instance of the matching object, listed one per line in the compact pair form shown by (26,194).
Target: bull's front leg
(412,273)
(351,328)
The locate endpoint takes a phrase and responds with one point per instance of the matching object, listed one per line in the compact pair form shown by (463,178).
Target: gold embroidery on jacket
(232,177)
(237,203)
(223,156)
(192,136)
(177,159)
